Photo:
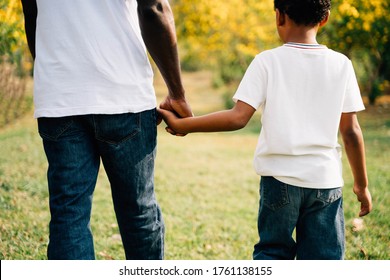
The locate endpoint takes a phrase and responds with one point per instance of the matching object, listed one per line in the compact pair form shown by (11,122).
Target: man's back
(90,59)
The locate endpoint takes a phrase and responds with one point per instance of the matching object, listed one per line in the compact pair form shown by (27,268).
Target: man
(94,101)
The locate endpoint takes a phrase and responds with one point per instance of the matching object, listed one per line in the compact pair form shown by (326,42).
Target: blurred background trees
(15,63)
(223,36)
(361,30)
(12,39)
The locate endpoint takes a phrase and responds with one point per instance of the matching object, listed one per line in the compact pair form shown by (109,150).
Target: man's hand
(179,106)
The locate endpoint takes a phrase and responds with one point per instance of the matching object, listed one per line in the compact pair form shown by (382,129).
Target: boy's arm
(30,18)
(354,146)
(159,34)
(228,120)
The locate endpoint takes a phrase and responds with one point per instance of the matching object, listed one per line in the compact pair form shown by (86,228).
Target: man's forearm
(30,18)
(158,31)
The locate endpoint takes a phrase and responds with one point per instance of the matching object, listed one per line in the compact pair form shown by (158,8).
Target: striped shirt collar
(304,46)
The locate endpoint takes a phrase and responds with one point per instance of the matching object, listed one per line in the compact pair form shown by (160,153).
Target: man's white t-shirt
(90,59)
(302,91)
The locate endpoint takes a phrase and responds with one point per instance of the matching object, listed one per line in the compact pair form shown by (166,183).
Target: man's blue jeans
(315,214)
(126,145)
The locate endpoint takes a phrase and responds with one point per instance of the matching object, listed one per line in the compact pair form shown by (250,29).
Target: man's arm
(159,34)
(30,19)
(354,146)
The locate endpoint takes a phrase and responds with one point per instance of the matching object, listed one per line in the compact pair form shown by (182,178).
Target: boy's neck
(289,31)
(301,34)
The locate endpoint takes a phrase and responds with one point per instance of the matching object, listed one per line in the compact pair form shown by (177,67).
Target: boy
(307,93)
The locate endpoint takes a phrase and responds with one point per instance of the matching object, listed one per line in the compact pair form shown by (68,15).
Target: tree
(15,62)
(13,45)
(224,35)
(361,30)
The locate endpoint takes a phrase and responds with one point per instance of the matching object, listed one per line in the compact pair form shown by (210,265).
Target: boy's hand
(178,106)
(364,196)
(170,118)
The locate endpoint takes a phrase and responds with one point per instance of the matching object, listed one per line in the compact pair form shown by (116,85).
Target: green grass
(205,185)
(374,241)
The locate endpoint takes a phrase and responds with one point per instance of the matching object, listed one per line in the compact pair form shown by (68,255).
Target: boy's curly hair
(304,12)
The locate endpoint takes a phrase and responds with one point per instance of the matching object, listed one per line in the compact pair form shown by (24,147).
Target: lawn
(205,185)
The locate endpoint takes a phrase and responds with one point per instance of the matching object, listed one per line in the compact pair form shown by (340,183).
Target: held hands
(171,109)
(171,119)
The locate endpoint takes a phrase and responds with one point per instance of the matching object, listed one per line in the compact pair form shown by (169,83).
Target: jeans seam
(94,126)
(128,137)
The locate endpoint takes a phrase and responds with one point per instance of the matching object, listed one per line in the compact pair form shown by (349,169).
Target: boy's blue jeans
(126,145)
(316,215)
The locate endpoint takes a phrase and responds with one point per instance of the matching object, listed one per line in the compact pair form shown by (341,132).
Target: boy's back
(302,89)
(307,93)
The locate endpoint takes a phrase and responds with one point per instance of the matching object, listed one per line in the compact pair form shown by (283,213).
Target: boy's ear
(325,20)
(280,18)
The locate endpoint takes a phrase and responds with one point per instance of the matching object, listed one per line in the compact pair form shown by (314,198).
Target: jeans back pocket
(115,129)
(274,193)
(52,129)
(329,195)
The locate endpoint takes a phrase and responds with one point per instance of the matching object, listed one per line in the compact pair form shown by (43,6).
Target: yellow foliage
(230,30)
(348,9)
(367,12)
(13,42)
(228,34)
(11,16)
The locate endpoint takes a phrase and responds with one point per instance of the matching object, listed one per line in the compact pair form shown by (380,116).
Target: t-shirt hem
(76,111)
(237,98)
(356,109)
(310,185)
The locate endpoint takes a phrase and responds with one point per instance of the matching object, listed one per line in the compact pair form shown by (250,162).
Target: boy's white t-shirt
(90,59)
(302,91)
